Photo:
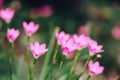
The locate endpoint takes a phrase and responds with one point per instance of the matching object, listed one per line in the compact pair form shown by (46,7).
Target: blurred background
(96,17)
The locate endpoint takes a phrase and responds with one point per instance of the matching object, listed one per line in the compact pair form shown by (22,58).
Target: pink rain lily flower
(94,48)
(69,47)
(30,28)
(12,34)
(95,68)
(84,30)
(7,14)
(81,40)
(46,11)
(116,33)
(62,36)
(38,49)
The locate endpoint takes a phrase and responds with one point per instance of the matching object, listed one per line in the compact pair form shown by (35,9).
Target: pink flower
(94,48)
(116,33)
(7,14)
(95,68)
(69,47)
(30,28)
(84,30)
(12,34)
(37,49)
(81,40)
(62,36)
(46,11)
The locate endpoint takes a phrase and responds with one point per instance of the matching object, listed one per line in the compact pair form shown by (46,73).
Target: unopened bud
(99,56)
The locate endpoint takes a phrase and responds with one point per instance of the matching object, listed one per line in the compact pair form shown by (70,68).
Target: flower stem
(35,60)
(10,66)
(47,58)
(60,67)
(89,57)
(89,76)
(28,53)
(73,64)
(13,56)
(28,56)
(8,58)
(84,67)
(55,54)
(95,59)
(8,25)
(32,69)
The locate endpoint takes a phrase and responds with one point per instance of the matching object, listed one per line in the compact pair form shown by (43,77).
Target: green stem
(55,54)
(13,60)
(79,75)
(10,66)
(28,53)
(8,58)
(28,56)
(49,75)
(84,67)
(73,64)
(13,56)
(47,58)
(32,70)
(35,60)
(60,67)
(8,25)
(89,76)
(89,57)
(95,59)
(54,60)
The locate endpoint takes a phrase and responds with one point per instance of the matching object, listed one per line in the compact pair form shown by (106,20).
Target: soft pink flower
(84,30)
(95,68)
(7,14)
(69,47)
(30,28)
(38,49)
(46,11)
(12,34)
(116,33)
(81,40)
(62,36)
(94,48)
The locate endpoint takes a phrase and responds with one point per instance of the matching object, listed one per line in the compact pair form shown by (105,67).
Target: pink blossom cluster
(70,44)
(36,49)
(29,28)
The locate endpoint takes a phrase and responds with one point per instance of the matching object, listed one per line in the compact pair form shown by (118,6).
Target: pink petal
(25,24)
(43,46)
(100,70)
